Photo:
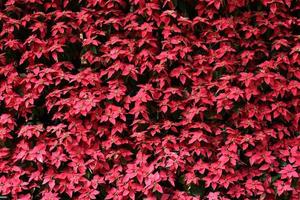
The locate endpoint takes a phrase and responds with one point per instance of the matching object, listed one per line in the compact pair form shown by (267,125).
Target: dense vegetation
(149,99)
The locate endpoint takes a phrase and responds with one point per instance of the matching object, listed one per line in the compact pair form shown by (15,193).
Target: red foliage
(150,99)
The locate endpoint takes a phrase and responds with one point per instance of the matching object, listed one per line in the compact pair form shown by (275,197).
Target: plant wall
(149,99)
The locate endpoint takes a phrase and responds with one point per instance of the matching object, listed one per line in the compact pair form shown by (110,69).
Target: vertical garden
(150,99)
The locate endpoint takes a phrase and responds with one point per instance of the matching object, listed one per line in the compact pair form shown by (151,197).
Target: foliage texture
(149,99)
